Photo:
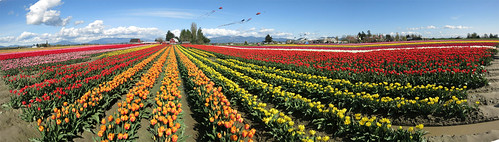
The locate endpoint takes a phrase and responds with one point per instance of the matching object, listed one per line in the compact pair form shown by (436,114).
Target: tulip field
(350,92)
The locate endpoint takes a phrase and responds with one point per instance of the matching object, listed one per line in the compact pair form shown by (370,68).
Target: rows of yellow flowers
(119,52)
(381,88)
(166,120)
(356,100)
(202,53)
(281,125)
(83,112)
(126,120)
(331,116)
(387,44)
(226,123)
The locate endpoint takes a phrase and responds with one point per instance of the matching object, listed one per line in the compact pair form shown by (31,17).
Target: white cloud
(41,13)
(10,12)
(7,39)
(422,28)
(176,32)
(93,31)
(216,32)
(431,27)
(456,27)
(26,35)
(79,22)
(410,33)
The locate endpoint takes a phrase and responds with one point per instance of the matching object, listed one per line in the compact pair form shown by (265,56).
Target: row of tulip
(59,74)
(88,109)
(443,66)
(166,122)
(381,88)
(131,108)
(40,98)
(359,101)
(282,126)
(46,59)
(119,52)
(38,65)
(325,115)
(391,44)
(59,51)
(223,123)
(421,100)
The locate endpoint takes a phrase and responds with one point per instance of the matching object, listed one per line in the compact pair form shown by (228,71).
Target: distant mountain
(241,39)
(64,42)
(110,40)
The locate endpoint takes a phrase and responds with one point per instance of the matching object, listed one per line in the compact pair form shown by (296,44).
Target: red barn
(173,41)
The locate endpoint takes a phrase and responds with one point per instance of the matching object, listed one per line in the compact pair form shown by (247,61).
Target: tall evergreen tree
(268,38)
(193,32)
(169,35)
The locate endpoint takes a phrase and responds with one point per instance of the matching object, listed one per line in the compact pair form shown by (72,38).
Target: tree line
(476,36)
(363,37)
(186,35)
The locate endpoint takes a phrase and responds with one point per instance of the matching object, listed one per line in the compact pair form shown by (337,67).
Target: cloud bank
(41,13)
(93,31)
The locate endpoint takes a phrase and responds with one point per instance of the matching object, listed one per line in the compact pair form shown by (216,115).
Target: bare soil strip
(488,96)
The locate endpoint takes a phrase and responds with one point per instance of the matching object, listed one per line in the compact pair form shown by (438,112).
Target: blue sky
(34,21)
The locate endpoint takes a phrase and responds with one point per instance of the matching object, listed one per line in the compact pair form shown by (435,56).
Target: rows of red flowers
(40,98)
(444,66)
(88,109)
(58,51)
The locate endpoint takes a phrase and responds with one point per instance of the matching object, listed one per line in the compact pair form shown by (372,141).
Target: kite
(239,22)
(209,13)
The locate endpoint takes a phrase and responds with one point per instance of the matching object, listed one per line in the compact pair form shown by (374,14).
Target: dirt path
(12,127)
(488,96)
(189,132)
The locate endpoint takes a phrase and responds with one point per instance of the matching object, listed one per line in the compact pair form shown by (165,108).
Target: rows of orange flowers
(226,123)
(123,124)
(85,111)
(166,119)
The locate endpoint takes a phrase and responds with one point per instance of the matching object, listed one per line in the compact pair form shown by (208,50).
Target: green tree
(200,37)
(193,32)
(245,42)
(185,35)
(169,35)
(160,40)
(268,38)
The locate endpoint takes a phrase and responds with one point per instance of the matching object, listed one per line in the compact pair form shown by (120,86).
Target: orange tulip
(174,138)
(219,135)
(103,127)
(110,118)
(154,121)
(110,136)
(117,120)
(100,133)
(168,131)
(40,128)
(233,137)
(245,133)
(125,136)
(127,126)
(120,136)
(66,120)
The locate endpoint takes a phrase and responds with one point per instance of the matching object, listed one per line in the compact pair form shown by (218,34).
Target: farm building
(135,40)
